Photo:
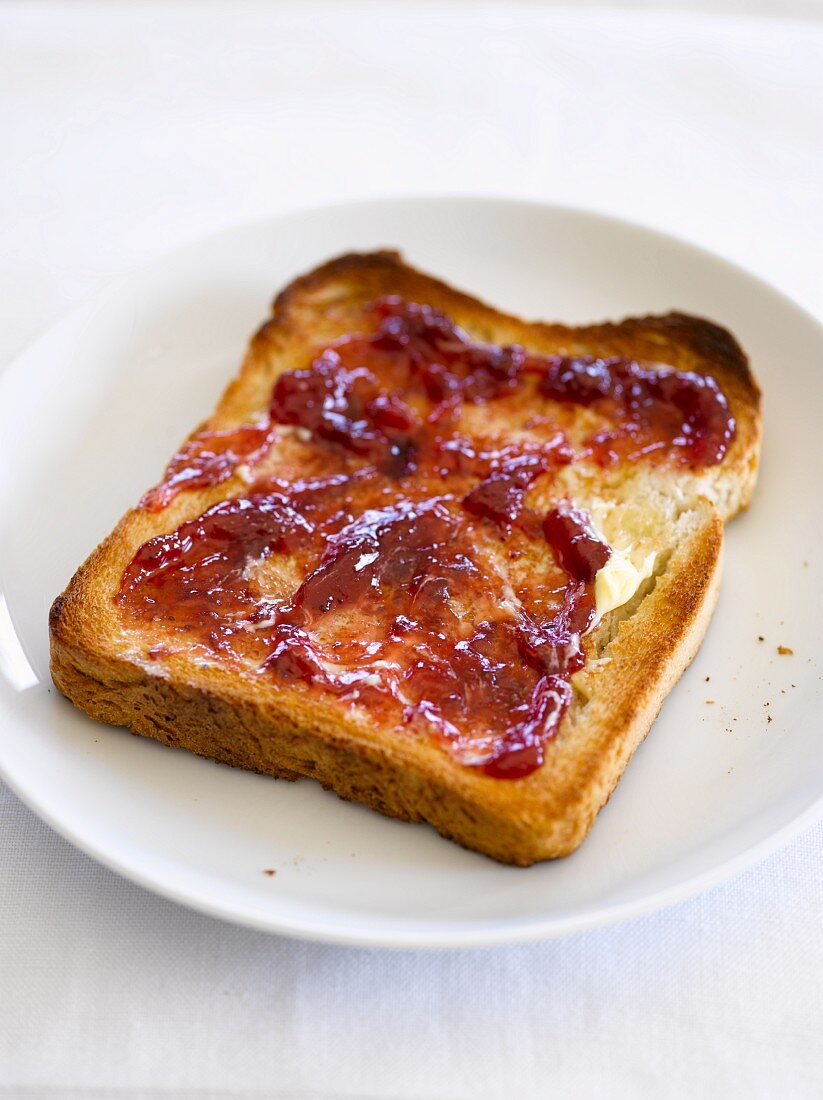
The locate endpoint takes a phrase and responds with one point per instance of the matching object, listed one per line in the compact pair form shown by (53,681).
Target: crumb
(708,678)
(760,638)
(785,651)
(269,871)
(769,718)
(710,701)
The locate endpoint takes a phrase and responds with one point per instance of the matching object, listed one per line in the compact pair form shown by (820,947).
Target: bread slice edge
(544,816)
(290,734)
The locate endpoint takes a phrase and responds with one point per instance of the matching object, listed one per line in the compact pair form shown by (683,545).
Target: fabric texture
(128,129)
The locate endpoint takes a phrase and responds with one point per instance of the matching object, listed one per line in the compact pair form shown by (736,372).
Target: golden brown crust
(290,732)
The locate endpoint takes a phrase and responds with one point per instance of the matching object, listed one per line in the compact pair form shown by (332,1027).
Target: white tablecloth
(126,129)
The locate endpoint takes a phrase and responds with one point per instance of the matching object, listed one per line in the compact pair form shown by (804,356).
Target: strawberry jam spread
(389,556)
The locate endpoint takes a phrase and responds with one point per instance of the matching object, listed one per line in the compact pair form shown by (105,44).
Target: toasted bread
(137,671)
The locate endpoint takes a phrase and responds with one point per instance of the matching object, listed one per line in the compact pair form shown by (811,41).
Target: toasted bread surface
(103,661)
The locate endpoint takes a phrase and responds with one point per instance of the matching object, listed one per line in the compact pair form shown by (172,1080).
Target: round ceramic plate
(90,413)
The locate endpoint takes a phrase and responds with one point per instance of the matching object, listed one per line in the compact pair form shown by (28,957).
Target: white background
(126,130)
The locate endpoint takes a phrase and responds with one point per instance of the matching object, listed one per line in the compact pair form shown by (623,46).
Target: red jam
(209,458)
(399,576)
(680,412)
(500,495)
(576,544)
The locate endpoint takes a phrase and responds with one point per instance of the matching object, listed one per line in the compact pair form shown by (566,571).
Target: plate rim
(534,932)
(388,937)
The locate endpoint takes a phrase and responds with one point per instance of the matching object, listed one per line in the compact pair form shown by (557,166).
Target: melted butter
(619,579)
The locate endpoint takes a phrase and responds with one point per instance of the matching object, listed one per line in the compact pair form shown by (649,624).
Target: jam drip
(390,577)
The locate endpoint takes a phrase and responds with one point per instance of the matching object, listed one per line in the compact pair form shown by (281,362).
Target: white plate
(90,413)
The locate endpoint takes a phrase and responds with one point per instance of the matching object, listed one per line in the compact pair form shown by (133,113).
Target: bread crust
(290,731)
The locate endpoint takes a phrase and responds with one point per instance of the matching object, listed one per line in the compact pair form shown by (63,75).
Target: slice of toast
(221,693)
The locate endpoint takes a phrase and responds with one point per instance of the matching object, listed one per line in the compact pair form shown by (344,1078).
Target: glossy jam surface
(209,459)
(578,547)
(392,559)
